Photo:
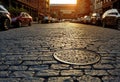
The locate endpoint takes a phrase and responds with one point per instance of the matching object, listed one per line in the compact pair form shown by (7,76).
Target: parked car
(111,17)
(54,20)
(78,20)
(46,19)
(22,19)
(40,18)
(96,19)
(87,19)
(5,19)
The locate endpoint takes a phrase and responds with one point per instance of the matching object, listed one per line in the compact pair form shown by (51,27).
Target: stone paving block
(111,79)
(114,72)
(96,72)
(29,63)
(29,57)
(14,62)
(60,66)
(32,80)
(13,57)
(9,79)
(60,79)
(22,74)
(17,68)
(117,65)
(71,72)
(46,73)
(3,67)
(4,74)
(38,67)
(45,58)
(50,62)
(108,61)
(82,67)
(103,66)
(87,78)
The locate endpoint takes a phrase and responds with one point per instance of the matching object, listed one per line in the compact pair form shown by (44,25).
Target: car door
(27,19)
(23,18)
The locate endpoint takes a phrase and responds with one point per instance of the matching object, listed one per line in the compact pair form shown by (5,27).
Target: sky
(62,1)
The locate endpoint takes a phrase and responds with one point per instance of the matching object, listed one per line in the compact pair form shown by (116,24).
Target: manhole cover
(77,57)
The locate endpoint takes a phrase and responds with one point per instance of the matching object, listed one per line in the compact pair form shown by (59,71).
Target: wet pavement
(60,52)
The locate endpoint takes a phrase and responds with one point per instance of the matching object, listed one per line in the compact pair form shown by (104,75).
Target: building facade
(92,6)
(98,6)
(63,11)
(102,5)
(34,7)
(108,4)
(83,7)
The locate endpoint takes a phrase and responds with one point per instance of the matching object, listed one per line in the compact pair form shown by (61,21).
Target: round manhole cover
(77,57)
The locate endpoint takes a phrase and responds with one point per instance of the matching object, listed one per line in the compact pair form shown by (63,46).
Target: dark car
(22,19)
(5,19)
(96,19)
(112,18)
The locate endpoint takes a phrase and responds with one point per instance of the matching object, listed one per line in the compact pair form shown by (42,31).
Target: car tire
(6,24)
(19,24)
(103,24)
(118,24)
(30,23)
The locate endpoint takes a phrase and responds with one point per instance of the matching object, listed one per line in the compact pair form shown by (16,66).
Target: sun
(62,1)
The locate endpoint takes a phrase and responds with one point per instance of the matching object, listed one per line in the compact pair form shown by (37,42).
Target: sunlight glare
(62,1)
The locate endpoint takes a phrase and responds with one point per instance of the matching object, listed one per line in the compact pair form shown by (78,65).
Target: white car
(46,19)
(112,18)
(87,19)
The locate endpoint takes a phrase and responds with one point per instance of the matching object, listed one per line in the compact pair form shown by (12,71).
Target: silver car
(5,19)
(112,18)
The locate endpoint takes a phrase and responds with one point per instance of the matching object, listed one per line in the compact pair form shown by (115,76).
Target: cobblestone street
(87,53)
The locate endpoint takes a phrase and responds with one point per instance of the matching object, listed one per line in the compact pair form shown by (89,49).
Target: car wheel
(104,25)
(118,24)
(6,24)
(30,23)
(19,24)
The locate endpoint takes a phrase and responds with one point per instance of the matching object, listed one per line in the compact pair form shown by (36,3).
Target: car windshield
(113,13)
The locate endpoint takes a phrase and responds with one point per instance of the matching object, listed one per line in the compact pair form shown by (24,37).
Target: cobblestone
(96,72)
(60,79)
(44,73)
(87,78)
(71,72)
(26,54)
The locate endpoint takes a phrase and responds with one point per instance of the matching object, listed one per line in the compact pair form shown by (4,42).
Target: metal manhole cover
(77,57)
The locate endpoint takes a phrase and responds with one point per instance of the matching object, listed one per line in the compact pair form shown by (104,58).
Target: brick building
(83,7)
(102,5)
(108,4)
(34,7)
(63,11)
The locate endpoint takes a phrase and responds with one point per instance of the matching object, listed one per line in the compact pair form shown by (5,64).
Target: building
(92,6)
(63,11)
(98,6)
(108,4)
(83,7)
(34,7)
(102,5)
